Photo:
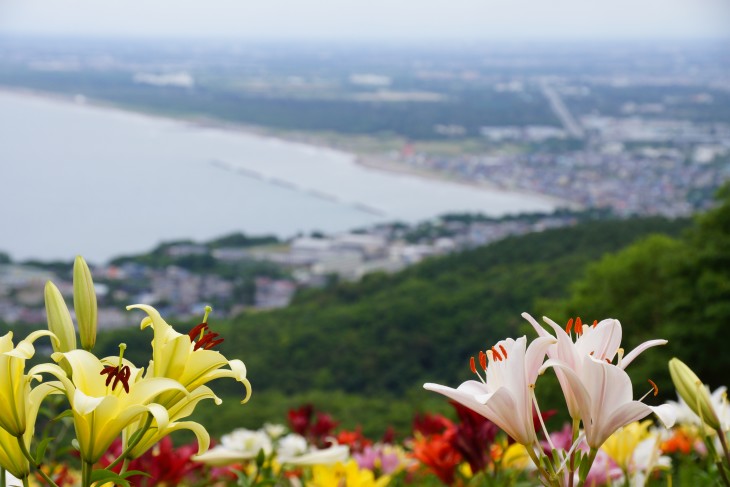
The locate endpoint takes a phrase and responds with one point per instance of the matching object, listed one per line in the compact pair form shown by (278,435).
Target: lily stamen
(542,422)
(578,326)
(482,364)
(569,326)
(201,334)
(120,373)
(654,389)
(483,360)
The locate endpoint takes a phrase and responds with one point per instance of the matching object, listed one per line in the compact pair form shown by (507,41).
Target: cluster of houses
(305,261)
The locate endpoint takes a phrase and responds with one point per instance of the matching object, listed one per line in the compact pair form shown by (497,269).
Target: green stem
(134,442)
(125,466)
(86,469)
(585,469)
(2,477)
(723,474)
(31,460)
(26,482)
(720,466)
(723,442)
(543,473)
(571,464)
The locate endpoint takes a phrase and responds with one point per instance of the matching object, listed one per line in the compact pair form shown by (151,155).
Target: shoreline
(382,164)
(307,139)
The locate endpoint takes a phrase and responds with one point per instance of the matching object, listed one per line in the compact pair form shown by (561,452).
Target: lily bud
(691,389)
(85,303)
(59,319)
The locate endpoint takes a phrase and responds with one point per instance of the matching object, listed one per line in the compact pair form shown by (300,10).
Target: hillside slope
(387,334)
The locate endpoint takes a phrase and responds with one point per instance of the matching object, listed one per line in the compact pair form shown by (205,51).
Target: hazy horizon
(358,20)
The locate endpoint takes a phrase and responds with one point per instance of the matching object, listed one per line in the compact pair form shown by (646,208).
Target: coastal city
(598,130)
(631,165)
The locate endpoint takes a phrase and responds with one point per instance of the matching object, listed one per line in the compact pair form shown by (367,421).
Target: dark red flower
(299,419)
(389,436)
(430,424)
(322,428)
(473,438)
(165,464)
(301,422)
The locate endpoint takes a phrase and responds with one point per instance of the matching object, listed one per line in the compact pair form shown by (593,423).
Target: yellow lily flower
(190,362)
(620,446)
(12,458)
(102,408)
(154,433)
(180,357)
(348,474)
(15,385)
(515,457)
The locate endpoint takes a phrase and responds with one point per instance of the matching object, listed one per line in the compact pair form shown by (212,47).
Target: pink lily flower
(604,399)
(504,395)
(600,341)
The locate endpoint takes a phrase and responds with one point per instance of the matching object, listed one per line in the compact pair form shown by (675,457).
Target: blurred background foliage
(363,350)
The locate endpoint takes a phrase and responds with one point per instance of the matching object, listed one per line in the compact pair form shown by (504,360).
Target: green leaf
(40,452)
(103,476)
(131,473)
(67,413)
(260,458)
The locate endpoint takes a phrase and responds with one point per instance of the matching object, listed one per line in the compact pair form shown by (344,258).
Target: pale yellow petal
(59,319)
(147,389)
(85,404)
(86,369)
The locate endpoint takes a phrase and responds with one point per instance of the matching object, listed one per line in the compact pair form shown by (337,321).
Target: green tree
(660,287)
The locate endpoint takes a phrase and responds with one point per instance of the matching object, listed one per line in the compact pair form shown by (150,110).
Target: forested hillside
(390,333)
(360,349)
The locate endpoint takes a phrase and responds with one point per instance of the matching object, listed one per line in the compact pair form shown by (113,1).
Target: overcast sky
(373,19)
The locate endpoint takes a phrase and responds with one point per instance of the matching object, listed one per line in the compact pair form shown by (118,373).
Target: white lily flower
(646,459)
(505,396)
(274,430)
(239,445)
(12,481)
(294,450)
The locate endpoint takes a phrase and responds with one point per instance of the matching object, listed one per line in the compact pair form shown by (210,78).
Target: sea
(79,178)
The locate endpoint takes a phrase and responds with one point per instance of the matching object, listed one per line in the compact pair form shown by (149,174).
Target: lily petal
(628,358)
